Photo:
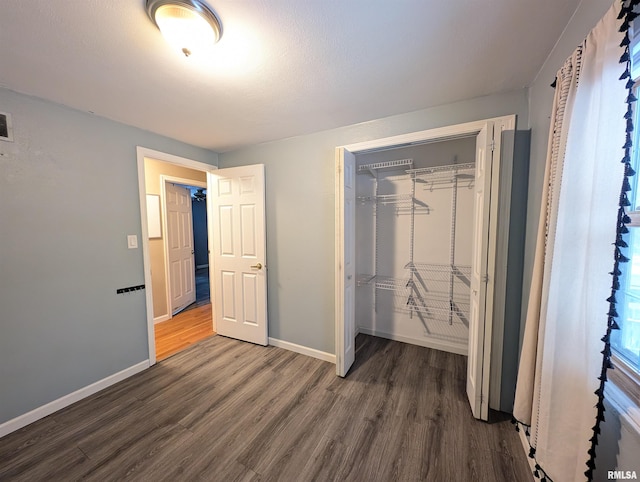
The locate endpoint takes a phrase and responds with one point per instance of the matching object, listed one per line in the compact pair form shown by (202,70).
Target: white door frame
(141,154)
(165,239)
(468,129)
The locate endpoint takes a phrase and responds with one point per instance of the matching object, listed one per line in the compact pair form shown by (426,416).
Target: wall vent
(6,128)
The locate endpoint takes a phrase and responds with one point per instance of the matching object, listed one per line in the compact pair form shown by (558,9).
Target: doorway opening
(184,217)
(176,251)
(236,237)
(391,279)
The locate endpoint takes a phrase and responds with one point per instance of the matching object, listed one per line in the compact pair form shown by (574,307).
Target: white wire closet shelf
(386,165)
(442,170)
(440,175)
(410,286)
(386,199)
(400,285)
(440,272)
(436,305)
(439,308)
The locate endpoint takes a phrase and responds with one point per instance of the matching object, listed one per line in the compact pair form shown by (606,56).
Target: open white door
(239,252)
(180,252)
(479,348)
(345,261)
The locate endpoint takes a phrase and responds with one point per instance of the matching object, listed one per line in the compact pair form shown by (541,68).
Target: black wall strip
(129,289)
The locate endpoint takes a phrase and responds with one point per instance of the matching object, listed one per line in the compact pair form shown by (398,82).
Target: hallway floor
(183,330)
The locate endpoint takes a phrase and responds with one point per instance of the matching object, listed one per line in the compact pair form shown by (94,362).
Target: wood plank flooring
(225,410)
(183,330)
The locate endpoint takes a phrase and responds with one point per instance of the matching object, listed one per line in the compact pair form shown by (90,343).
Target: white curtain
(567,311)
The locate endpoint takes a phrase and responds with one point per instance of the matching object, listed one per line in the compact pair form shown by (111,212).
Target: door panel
(225,217)
(479,351)
(247,228)
(345,230)
(239,253)
(250,298)
(180,247)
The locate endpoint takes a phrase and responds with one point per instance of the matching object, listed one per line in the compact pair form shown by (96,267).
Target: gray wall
(300,210)
(68,199)
(617,446)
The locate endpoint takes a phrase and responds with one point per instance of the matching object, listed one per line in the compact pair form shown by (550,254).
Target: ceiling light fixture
(199,195)
(188,25)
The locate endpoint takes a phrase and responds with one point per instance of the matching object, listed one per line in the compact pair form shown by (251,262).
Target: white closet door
(345,259)
(479,349)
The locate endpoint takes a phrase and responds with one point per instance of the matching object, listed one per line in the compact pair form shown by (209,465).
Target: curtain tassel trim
(627,15)
(538,472)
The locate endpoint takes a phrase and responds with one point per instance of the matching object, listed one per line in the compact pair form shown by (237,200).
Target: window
(626,341)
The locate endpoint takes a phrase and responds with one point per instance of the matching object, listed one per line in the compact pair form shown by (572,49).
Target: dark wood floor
(226,410)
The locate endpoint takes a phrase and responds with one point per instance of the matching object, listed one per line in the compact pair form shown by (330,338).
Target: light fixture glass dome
(188,25)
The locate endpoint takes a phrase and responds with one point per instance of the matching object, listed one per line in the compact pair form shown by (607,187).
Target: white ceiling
(282,68)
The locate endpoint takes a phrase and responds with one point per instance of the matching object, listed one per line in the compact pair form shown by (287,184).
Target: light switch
(132,241)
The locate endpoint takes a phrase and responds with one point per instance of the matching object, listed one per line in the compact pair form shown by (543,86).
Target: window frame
(624,375)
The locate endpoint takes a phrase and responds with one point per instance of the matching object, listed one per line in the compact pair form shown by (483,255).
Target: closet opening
(419,219)
(414,231)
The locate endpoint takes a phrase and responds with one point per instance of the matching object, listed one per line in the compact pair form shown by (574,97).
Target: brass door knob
(257,266)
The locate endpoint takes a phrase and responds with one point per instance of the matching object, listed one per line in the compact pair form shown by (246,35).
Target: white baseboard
(200,266)
(62,402)
(304,350)
(162,318)
(435,344)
